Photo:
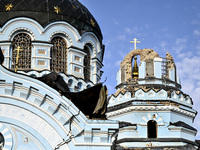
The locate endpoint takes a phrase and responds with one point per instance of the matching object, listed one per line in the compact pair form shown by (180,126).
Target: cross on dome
(135,41)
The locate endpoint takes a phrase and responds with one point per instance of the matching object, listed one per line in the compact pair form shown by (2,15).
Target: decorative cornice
(22,29)
(150,108)
(62,33)
(150,94)
(156,140)
(154,117)
(58,108)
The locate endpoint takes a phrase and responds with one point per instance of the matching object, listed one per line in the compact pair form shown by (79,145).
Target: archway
(152,129)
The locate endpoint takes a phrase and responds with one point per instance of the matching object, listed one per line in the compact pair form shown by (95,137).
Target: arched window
(70,82)
(33,75)
(88,86)
(58,55)
(79,85)
(152,129)
(23,41)
(87,64)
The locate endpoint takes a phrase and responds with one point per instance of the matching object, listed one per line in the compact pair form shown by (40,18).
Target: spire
(135,69)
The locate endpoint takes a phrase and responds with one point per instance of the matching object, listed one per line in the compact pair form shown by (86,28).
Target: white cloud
(163,45)
(165,29)
(108,55)
(116,22)
(122,54)
(189,67)
(121,37)
(198,47)
(184,55)
(146,26)
(180,45)
(189,72)
(181,40)
(132,30)
(196,32)
(195,22)
(128,30)
(117,63)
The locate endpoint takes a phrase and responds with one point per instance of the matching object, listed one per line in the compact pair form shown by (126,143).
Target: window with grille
(58,55)
(23,41)
(87,64)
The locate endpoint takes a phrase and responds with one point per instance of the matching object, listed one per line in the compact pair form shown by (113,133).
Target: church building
(51,97)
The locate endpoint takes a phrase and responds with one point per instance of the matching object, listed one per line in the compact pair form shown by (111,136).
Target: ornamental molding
(149,94)
(66,26)
(154,117)
(61,33)
(32,92)
(21,30)
(150,108)
(61,113)
(93,47)
(15,21)
(89,37)
(27,93)
(32,120)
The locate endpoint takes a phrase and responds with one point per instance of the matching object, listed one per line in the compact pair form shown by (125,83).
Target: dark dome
(43,11)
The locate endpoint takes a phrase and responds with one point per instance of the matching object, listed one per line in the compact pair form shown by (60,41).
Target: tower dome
(47,11)
(42,36)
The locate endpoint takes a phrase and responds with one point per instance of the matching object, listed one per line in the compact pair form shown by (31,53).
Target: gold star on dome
(57,9)
(8,7)
(92,22)
(73,6)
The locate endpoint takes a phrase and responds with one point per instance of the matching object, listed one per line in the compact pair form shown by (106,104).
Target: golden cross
(135,41)
(17,58)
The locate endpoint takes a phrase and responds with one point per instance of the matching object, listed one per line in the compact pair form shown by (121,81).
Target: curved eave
(44,19)
(40,71)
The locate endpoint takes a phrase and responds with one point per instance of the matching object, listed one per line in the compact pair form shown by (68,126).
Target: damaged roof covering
(47,11)
(91,101)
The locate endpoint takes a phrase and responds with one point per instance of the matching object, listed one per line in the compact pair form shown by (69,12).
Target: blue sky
(165,26)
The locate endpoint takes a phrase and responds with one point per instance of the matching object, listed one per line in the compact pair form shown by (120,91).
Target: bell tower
(150,105)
